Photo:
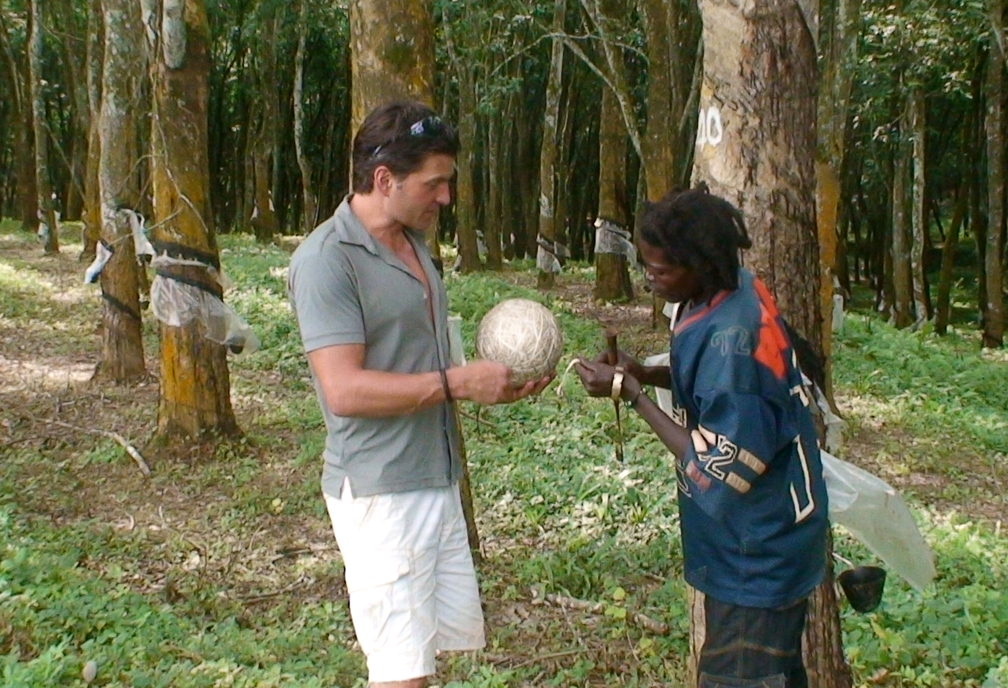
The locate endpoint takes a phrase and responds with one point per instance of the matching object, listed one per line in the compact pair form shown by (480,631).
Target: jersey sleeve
(733,444)
(326,301)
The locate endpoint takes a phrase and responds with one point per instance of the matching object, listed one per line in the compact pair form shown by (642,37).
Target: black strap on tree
(182,252)
(113,301)
(206,259)
(120,306)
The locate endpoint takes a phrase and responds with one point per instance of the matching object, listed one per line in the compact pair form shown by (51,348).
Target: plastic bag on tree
(611,238)
(176,304)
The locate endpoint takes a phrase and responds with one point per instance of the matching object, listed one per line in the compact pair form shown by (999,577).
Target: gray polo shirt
(348,288)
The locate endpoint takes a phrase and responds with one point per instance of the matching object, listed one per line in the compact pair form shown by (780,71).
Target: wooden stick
(612,350)
(642,620)
(612,353)
(130,449)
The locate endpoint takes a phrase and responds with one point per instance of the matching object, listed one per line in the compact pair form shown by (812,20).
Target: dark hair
(399,135)
(699,230)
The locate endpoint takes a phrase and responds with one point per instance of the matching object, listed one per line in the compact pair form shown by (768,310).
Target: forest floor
(275,554)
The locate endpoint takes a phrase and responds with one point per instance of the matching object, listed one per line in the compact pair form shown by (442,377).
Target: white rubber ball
(523,335)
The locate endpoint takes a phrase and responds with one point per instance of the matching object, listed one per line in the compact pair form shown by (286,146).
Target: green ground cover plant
(220,570)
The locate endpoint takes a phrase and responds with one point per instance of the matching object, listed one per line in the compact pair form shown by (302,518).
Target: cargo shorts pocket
(711,681)
(379,587)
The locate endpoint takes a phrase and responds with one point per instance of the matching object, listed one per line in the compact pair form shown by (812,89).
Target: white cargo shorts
(410,576)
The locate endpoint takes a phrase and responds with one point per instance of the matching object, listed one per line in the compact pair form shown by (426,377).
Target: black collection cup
(863,587)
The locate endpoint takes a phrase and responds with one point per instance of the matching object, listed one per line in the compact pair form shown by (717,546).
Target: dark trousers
(747,647)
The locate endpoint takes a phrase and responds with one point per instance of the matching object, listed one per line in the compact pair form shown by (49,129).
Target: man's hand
(489,382)
(597,378)
(628,363)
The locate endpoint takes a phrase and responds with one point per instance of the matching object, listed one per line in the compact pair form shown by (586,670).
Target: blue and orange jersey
(751,492)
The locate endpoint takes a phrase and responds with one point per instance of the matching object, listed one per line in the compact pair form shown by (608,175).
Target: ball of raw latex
(523,335)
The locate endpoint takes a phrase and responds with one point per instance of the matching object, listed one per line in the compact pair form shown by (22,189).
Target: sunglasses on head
(431,125)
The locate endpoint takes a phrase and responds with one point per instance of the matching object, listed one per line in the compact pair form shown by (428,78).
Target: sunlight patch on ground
(19,375)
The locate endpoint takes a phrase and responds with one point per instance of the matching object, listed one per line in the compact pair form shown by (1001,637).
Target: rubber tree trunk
(756,147)
(465,193)
(612,275)
(388,63)
(92,201)
(264,219)
(310,216)
(994,312)
(546,252)
(26,197)
(901,226)
(43,185)
(494,224)
(672,32)
(195,384)
(119,192)
(919,218)
(838,46)
(943,300)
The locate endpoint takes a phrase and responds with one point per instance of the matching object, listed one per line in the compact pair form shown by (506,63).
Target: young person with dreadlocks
(751,495)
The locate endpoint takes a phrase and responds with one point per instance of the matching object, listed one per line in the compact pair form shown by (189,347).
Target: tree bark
(674,68)
(994,315)
(388,63)
(902,273)
(943,305)
(759,104)
(195,384)
(612,276)
(839,45)
(465,196)
(304,162)
(26,196)
(43,185)
(919,229)
(264,219)
(548,188)
(119,191)
(495,192)
(92,198)
(758,120)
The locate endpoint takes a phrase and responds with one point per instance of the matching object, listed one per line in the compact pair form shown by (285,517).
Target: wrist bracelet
(617,384)
(444,384)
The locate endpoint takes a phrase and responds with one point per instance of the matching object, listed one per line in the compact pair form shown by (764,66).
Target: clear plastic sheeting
(610,238)
(164,260)
(549,253)
(176,304)
(875,513)
(834,423)
(102,256)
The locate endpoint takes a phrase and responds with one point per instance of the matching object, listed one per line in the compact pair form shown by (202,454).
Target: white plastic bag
(176,304)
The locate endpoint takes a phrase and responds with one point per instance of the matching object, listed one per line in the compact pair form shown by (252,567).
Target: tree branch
(130,449)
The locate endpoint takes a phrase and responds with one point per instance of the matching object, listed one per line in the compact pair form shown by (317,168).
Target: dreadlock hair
(400,135)
(698,230)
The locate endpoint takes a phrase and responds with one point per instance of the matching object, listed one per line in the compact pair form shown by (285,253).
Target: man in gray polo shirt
(373,315)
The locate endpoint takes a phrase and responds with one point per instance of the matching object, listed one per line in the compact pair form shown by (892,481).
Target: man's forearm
(380,394)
